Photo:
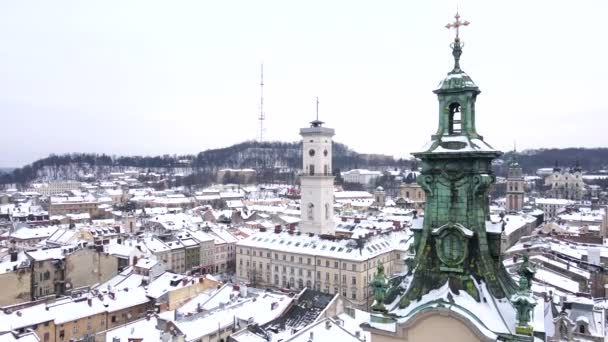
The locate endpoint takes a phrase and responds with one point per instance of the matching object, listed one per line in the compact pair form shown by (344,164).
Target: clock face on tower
(325,153)
(311,152)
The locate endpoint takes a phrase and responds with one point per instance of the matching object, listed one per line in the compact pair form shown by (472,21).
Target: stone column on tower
(316,180)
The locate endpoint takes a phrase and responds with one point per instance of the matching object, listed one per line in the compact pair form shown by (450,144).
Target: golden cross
(457,23)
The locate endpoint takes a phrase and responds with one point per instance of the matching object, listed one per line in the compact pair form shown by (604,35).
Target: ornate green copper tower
(458,274)
(457,242)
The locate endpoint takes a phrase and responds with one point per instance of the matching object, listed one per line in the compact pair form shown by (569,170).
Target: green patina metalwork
(380,285)
(524,302)
(456,176)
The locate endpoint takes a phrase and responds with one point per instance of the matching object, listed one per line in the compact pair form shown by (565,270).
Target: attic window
(349,250)
(332,249)
(297,244)
(454,119)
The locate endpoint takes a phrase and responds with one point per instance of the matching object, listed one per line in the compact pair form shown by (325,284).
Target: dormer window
(455,119)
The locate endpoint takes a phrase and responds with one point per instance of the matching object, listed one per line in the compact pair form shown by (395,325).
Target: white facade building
(317,181)
(360,176)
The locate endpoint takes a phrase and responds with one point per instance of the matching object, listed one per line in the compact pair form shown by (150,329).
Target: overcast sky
(155,77)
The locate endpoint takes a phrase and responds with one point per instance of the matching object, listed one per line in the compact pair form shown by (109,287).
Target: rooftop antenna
(316,122)
(262,116)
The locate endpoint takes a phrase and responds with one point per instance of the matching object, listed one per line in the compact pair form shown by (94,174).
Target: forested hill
(264,156)
(250,154)
(590,159)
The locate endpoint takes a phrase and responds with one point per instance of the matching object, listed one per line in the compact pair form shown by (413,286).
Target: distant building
(412,193)
(566,183)
(360,176)
(515,187)
(63,205)
(552,206)
(56,187)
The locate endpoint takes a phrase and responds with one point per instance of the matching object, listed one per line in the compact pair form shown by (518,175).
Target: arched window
(454,124)
(310,211)
(300,284)
(581,329)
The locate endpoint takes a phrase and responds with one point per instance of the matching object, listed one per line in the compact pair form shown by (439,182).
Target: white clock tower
(317,181)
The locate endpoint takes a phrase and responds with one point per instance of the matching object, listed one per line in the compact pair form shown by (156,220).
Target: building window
(308,261)
(326,263)
(354,267)
(284,257)
(336,264)
(344,279)
(310,211)
(354,294)
(291,259)
(327,214)
(276,256)
(318,262)
(354,281)
(300,260)
(343,265)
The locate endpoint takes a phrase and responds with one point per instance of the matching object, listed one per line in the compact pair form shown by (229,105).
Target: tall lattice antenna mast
(262,116)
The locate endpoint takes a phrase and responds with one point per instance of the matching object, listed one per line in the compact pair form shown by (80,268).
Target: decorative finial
(456,46)
(456,25)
